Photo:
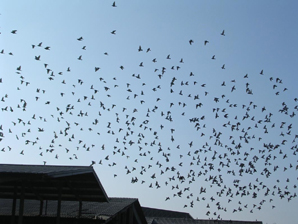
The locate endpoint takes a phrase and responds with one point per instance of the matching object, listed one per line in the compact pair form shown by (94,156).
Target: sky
(186,105)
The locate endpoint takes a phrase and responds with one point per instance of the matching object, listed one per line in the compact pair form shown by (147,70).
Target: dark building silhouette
(36,194)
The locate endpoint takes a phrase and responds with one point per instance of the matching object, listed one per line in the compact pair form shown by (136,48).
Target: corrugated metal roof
(154,212)
(69,209)
(174,221)
(160,216)
(196,221)
(52,171)
(45,182)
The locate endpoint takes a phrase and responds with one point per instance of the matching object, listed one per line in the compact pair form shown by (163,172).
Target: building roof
(154,212)
(195,221)
(76,183)
(161,216)
(69,209)
(51,171)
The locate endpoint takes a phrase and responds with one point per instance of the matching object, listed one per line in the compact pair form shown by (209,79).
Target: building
(160,216)
(73,194)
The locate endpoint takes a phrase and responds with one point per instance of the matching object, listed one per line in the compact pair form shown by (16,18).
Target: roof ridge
(123,198)
(6,164)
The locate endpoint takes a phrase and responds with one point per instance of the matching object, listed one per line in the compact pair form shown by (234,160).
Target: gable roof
(76,183)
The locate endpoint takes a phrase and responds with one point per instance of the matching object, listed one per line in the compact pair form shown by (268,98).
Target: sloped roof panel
(69,209)
(154,212)
(75,183)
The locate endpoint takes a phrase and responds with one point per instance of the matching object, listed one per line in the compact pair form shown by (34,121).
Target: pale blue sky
(259,35)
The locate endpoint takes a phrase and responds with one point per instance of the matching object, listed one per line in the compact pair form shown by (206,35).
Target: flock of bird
(142,126)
